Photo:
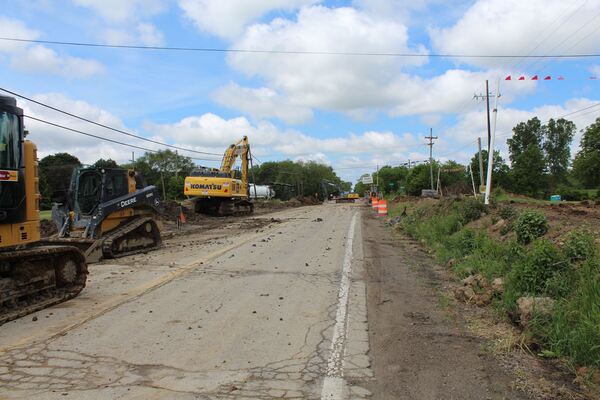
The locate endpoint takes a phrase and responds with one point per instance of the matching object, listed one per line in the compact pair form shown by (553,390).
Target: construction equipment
(108,213)
(32,276)
(223,191)
(349,198)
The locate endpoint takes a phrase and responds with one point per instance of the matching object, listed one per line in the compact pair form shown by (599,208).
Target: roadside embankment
(537,266)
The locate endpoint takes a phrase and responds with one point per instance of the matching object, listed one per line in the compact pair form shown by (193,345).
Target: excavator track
(38,277)
(136,236)
(224,207)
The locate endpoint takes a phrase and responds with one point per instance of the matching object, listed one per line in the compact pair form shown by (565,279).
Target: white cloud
(41,59)
(123,10)
(50,140)
(262,103)
(228,19)
(353,85)
(149,35)
(517,27)
(212,133)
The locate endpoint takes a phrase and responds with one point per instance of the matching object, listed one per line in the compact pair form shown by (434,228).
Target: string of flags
(537,78)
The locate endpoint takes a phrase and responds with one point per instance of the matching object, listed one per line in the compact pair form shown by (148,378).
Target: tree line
(167,170)
(540,165)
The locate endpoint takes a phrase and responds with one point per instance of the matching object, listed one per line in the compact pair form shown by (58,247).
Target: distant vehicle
(349,198)
(261,192)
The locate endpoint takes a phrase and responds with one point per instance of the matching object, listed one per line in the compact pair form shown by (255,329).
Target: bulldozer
(108,213)
(223,191)
(33,276)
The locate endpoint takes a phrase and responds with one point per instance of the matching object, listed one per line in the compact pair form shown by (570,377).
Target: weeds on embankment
(501,242)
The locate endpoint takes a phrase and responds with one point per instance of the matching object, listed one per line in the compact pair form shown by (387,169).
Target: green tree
(559,135)
(418,178)
(390,178)
(108,163)
(586,166)
(159,167)
(499,171)
(298,178)
(55,176)
(527,158)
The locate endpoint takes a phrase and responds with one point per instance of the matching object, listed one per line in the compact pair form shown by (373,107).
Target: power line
(106,126)
(299,52)
(104,138)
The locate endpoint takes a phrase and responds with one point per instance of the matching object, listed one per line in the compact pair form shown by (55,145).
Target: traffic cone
(182,216)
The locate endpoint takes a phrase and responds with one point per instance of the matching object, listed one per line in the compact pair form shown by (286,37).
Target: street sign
(367,180)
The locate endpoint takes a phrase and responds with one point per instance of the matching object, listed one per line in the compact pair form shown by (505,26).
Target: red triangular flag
(548,78)
(508,78)
(535,78)
(521,78)
(561,78)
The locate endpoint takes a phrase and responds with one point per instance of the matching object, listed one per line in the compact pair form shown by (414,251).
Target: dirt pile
(47,228)
(171,210)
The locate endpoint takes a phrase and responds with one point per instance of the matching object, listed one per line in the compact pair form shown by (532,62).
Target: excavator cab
(12,182)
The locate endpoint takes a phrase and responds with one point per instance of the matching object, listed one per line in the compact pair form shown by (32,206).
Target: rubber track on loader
(35,273)
(130,227)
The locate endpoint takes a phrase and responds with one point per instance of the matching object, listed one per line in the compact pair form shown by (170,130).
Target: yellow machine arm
(241,149)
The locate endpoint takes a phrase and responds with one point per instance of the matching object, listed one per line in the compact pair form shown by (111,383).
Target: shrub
(572,330)
(508,213)
(471,210)
(530,225)
(579,245)
(531,275)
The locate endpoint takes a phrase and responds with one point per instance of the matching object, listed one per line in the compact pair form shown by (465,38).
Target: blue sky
(347,111)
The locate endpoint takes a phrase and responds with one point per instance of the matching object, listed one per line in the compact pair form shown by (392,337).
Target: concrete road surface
(271,307)
(260,309)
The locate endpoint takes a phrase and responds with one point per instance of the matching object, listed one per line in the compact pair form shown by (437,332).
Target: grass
(46,214)
(569,273)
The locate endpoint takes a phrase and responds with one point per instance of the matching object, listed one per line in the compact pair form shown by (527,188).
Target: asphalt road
(258,309)
(270,307)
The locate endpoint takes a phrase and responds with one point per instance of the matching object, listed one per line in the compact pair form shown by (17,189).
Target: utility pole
(480,162)
(487,96)
(132,158)
(488,184)
(430,144)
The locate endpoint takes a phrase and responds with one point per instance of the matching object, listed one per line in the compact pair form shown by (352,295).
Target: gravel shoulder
(418,350)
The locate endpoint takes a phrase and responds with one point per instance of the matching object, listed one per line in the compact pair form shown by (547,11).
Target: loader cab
(12,176)
(92,186)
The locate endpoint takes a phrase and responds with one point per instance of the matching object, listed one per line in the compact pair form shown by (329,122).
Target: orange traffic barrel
(382,208)
(374,203)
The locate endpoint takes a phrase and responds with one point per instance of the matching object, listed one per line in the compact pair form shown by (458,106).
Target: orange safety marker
(382,208)
(374,203)
(182,217)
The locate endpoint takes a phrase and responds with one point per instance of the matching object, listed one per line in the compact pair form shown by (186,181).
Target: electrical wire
(300,52)
(104,138)
(106,126)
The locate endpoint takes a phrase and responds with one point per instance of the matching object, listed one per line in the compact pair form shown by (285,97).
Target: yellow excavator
(33,276)
(223,191)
